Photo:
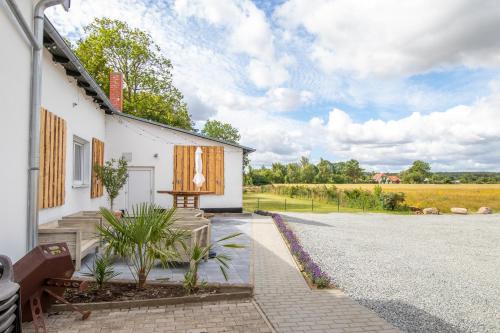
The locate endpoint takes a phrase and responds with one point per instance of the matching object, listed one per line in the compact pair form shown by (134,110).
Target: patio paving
(239,270)
(287,300)
(224,316)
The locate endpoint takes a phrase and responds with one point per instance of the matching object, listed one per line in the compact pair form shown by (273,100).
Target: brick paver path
(289,303)
(225,316)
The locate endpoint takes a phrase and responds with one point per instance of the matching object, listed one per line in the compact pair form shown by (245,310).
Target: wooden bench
(183,213)
(80,235)
(198,227)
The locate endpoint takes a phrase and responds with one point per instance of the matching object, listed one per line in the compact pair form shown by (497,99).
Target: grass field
(471,196)
(273,202)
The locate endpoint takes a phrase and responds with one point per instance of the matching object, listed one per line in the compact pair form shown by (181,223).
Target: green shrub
(353,198)
(393,200)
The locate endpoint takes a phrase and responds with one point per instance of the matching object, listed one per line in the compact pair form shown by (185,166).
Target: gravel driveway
(421,273)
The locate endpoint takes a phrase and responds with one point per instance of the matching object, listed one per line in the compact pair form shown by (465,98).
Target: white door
(138,189)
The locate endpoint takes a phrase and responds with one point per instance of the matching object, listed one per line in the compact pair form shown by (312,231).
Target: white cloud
(265,75)
(249,33)
(393,37)
(285,99)
(450,139)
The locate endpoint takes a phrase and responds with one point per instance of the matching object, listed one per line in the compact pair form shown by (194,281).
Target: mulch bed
(112,292)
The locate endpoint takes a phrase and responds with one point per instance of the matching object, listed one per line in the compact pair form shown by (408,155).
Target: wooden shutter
(213,168)
(96,188)
(51,181)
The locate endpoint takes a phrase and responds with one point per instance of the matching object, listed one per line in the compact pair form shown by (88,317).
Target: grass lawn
(445,196)
(273,202)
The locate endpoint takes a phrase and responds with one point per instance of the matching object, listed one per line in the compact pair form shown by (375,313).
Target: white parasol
(198,179)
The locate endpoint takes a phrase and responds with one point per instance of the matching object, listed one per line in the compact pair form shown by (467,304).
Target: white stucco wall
(143,140)
(15,61)
(61,96)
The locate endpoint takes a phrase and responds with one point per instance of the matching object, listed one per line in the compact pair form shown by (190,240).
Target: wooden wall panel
(219,174)
(51,181)
(97,188)
(213,168)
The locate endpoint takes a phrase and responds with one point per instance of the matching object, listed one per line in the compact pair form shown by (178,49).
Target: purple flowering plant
(315,273)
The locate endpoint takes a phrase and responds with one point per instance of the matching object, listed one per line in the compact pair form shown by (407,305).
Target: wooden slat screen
(96,188)
(51,181)
(213,168)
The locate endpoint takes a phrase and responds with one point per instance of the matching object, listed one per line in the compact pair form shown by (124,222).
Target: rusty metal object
(43,274)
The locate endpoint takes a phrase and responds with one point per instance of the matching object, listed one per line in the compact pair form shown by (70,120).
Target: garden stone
(485,210)
(458,210)
(431,211)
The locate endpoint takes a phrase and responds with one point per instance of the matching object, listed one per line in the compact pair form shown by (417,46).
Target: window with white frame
(81,154)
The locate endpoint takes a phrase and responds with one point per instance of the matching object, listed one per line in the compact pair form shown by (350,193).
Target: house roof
(147,121)
(62,54)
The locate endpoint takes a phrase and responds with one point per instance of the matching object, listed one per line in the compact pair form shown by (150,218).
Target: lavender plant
(319,278)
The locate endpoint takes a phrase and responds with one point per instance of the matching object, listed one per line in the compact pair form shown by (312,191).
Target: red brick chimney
(116,90)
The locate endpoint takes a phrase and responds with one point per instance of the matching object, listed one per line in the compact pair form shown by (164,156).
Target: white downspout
(34,129)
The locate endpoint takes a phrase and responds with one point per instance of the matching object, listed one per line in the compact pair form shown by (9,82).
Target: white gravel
(421,273)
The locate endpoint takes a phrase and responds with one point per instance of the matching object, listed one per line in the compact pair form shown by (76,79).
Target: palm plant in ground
(101,270)
(142,238)
(197,253)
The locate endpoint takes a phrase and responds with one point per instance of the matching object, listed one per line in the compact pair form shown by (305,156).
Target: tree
(292,173)
(417,173)
(278,173)
(112,45)
(112,177)
(325,171)
(219,130)
(352,171)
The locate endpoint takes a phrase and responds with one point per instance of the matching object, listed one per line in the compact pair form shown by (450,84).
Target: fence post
(285,204)
(312,205)
(338,202)
(258,203)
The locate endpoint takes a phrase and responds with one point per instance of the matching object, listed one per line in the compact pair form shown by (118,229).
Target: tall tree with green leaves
(352,171)
(417,173)
(224,131)
(219,130)
(112,45)
(278,173)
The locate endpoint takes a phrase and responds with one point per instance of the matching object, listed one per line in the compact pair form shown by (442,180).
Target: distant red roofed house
(382,178)
(378,177)
(393,179)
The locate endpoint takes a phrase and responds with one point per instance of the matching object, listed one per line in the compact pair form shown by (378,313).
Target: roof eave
(126,115)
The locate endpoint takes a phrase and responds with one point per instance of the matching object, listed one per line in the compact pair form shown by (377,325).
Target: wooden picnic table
(186,199)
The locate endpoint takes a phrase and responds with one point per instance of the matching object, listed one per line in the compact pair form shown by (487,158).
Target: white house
(79,127)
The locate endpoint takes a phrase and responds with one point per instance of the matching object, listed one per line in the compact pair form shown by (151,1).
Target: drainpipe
(22,22)
(34,129)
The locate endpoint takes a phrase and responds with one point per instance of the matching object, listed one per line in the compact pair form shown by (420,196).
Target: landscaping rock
(485,210)
(431,211)
(458,210)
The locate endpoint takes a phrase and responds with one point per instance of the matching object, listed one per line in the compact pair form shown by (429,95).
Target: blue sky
(382,81)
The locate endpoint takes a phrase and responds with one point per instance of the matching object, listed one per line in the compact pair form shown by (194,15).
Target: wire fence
(308,205)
